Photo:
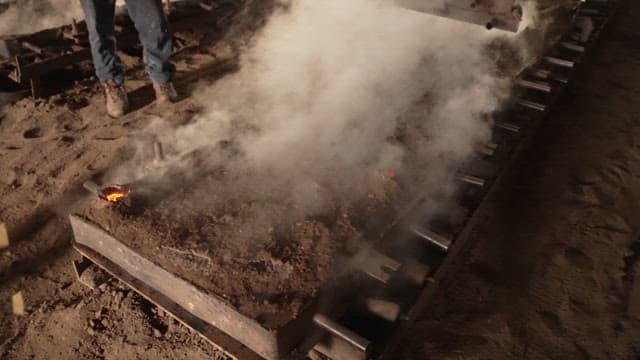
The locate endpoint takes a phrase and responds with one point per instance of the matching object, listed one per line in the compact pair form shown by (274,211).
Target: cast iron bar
(342,332)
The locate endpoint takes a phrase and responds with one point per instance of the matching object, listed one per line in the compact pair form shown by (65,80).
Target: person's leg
(99,16)
(153,28)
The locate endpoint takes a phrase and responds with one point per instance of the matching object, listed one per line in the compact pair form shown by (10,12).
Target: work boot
(117,100)
(165,93)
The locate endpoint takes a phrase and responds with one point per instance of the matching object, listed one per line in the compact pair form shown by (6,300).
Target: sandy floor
(553,268)
(65,320)
(559,278)
(47,149)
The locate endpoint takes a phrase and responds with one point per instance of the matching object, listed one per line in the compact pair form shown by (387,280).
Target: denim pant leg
(152,26)
(99,16)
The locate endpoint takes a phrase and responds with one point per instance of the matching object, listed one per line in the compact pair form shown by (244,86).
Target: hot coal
(267,271)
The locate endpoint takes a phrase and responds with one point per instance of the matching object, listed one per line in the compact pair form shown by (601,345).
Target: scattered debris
(89,274)
(4,237)
(158,151)
(17,303)
(33,133)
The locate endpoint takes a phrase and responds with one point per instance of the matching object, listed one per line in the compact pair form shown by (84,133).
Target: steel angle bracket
(499,14)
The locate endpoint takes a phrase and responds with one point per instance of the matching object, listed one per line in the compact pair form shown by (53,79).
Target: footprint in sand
(617,171)
(553,322)
(588,175)
(32,133)
(584,194)
(614,223)
(577,258)
(68,139)
(7,176)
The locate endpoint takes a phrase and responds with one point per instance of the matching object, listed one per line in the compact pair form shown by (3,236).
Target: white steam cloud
(325,87)
(28,16)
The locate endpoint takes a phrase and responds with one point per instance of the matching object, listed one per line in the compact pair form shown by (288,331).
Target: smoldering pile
(340,113)
(321,101)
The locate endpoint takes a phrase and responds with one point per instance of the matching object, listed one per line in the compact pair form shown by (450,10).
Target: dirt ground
(552,270)
(48,150)
(559,278)
(267,271)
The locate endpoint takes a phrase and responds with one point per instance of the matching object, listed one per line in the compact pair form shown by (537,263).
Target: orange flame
(114,194)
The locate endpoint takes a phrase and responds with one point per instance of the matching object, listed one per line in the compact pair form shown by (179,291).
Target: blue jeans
(151,23)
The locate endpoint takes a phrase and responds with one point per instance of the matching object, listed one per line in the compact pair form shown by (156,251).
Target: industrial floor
(553,271)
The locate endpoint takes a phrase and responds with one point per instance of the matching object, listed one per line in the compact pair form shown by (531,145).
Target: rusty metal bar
(573,46)
(535,85)
(342,332)
(548,75)
(470,179)
(560,62)
(432,237)
(506,126)
(532,105)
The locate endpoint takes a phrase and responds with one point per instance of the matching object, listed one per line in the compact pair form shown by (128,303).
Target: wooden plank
(208,309)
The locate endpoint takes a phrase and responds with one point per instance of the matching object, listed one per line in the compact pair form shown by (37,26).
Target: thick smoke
(550,18)
(320,97)
(28,16)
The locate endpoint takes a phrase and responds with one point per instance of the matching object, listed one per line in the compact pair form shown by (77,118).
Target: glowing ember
(390,174)
(114,194)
